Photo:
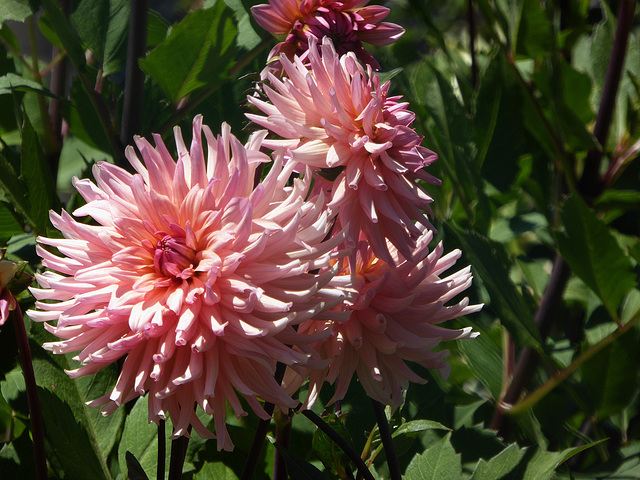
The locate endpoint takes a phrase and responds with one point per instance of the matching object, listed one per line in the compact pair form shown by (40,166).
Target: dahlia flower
(395,317)
(336,117)
(348,23)
(192,275)
(7,301)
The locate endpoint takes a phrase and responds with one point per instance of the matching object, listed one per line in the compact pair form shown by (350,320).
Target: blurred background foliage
(538,140)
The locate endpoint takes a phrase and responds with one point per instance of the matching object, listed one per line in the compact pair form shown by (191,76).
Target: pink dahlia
(192,275)
(8,271)
(395,317)
(336,118)
(348,24)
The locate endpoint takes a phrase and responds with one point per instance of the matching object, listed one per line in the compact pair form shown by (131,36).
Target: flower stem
(178,454)
(528,360)
(35,412)
(387,441)
(472,44)
(162,450)
(261,432)
(532,399)
(134,78)
(283,438)
(590,181)
(341,442)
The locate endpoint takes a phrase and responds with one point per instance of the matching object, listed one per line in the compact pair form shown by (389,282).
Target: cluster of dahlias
(201,274)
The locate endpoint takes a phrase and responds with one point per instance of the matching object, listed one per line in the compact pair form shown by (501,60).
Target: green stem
(162,450)
(387,441)
(537,395)
(178,454)
(261,432)
(341,442)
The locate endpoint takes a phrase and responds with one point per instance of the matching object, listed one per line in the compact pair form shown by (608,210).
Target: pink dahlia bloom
(192,275)
(8,271)
(348,23)
(336,118)
(395,317)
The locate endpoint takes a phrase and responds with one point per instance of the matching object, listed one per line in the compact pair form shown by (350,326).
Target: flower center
(173,258)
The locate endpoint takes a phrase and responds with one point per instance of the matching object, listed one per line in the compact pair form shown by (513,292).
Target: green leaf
(594,255)
(141,439)
(8,224)
(102,26)
(83,119)
(449,133)
(414,426)
(17,10)
(490,260)
(50,373)
(298,468)
(68,38)
(499,466)
(248,38)
(610,376)
(11,82)
(330,454)
(484,357)
(68,439)
(197,53)
(136,472)
(439,462)
(535,35)
(215,471)
(41,187)
(157,28)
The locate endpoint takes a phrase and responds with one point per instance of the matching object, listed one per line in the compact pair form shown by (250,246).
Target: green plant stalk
(134,77)
(387,441)
(261,432)
(162,450)
(283,438)
(178,454)
(341,442)
(35,412)
(532,399)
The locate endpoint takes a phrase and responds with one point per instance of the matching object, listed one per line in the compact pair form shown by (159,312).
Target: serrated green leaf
(439,462)
(17,10)
(414,426)
(103,432)
(9,226)
(11,82)
(594,255)
(41,188)
(141,439)
(69,440)
(610,376)
(136,472)
(248,38)
(197,53)
(102,26)
(298,468)
(490,260)
(215,471)
(68,38)
(499,466)
(331,455)
(484,357)
(535,35)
